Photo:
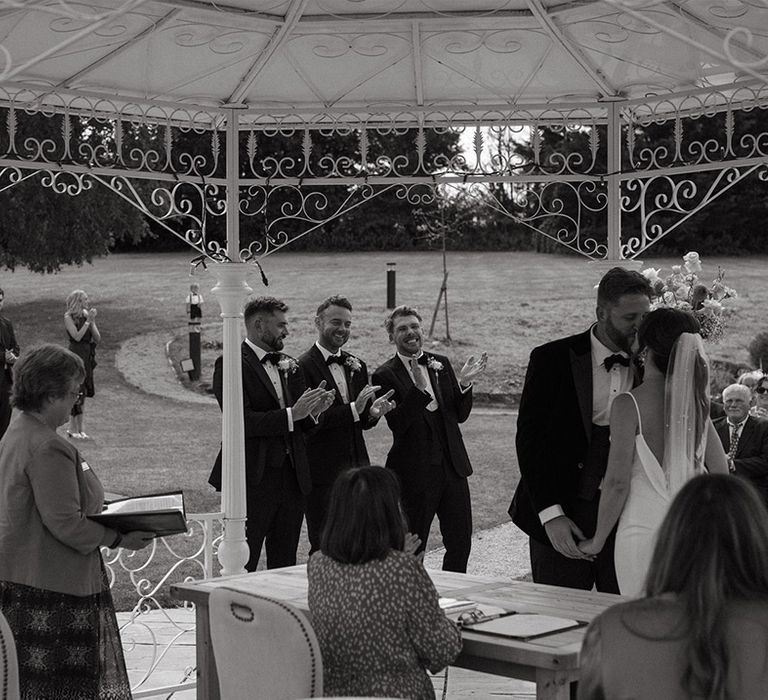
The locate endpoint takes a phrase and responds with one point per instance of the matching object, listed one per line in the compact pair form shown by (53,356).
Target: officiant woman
(53,586)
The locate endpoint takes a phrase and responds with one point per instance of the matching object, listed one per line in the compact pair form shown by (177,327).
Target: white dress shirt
(606,385)
(340,378)
(274,376)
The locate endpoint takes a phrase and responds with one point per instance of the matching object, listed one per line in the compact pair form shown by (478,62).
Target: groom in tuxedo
(337,443)
(563,435)
(428,452)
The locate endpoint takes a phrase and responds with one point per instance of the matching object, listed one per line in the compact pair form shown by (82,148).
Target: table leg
(207,677)
(553,685)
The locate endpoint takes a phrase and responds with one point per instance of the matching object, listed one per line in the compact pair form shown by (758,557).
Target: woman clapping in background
(80,322)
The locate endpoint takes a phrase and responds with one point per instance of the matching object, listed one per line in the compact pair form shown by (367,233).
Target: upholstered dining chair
(9,667)
(264,648)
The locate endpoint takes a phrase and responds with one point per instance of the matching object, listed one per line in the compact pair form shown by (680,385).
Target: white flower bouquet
(683,290)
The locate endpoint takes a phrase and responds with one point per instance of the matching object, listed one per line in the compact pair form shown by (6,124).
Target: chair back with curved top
(9,666)
(264,648)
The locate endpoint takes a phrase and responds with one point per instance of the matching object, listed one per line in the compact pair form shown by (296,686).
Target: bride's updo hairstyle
(661,328)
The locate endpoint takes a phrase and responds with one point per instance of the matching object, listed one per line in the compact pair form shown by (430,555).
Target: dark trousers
(317,507)
(275,513)
(447,497)
(552,568)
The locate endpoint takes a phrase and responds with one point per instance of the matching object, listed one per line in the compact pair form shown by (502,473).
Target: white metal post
(231,290)
(614,183)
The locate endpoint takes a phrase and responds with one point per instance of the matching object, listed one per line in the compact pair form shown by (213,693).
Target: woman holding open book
(374,608)
(53,587)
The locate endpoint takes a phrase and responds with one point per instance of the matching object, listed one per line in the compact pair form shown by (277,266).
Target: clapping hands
(472,368)
(313,402)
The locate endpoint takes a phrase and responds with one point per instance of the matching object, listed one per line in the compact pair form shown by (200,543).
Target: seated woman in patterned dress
(374,608)
(53,586)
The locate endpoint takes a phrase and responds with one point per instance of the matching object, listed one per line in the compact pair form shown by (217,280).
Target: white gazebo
(234,72)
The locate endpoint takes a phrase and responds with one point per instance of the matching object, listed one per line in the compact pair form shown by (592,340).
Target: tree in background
(43,229)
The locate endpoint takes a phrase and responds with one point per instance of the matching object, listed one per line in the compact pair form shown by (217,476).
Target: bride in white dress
(661,436)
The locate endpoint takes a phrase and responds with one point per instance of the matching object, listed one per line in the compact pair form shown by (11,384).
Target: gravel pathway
(499,552)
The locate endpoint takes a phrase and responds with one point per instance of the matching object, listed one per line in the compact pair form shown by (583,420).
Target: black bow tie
(423,359)
(612,360)
(273,357)
(334,360)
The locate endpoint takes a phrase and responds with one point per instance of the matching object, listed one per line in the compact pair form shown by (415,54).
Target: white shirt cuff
(289,411)
(465,389)
(355,414)
(550,513)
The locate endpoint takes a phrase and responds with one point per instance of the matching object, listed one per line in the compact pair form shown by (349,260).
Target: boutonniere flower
(353,364)
(287,365)
(434,364)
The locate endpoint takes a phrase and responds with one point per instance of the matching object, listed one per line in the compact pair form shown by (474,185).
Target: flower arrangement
(287,365)
(434,364)
(682,290)
(353,364)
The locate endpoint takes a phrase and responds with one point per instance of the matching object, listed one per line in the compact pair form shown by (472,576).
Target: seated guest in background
(53,586)
(744,438)
(374,608)
(749,378)
(702,629)
(338,442)
(760,407)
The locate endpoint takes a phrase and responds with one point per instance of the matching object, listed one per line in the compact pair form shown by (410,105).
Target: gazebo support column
(614,183)
(231,290)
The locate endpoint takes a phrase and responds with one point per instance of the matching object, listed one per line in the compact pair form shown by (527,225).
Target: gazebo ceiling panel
(363,57)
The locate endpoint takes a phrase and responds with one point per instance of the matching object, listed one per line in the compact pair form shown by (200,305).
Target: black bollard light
(391,276)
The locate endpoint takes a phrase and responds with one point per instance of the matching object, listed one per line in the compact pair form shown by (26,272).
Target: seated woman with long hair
(374,608)
(702,629)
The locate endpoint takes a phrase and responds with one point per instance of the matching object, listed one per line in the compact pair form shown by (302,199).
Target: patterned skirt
(68,646)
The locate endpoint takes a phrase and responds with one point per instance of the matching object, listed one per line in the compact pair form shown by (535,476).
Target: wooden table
(552,662)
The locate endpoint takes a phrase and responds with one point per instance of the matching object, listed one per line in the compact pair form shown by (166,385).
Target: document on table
(525,625)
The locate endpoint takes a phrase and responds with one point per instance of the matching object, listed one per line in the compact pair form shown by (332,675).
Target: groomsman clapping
(337,444)
(428,452)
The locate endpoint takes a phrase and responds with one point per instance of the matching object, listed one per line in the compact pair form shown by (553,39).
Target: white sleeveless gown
(645,508)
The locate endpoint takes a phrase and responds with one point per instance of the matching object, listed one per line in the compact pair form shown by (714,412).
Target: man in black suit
(278,410)
(744,438)
(563,435)
(9,353)
(337,443)
(428,452)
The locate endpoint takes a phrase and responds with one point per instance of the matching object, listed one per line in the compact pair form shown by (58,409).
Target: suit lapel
(325,372)
(434,378)
(401,374)
(250,358)
(746,435)
(581,367)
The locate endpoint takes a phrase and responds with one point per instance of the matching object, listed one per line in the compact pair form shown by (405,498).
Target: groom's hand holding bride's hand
(591,547)
(561,532)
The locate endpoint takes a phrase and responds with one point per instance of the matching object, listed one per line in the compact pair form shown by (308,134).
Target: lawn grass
(504,303)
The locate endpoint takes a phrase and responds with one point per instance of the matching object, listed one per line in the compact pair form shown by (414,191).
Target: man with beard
(338,442)
(563,435)
(428,452)
(278,410)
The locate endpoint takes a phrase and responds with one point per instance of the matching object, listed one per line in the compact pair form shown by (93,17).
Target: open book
(161,513)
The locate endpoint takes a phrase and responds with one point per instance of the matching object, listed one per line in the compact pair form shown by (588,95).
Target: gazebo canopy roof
(429,60)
